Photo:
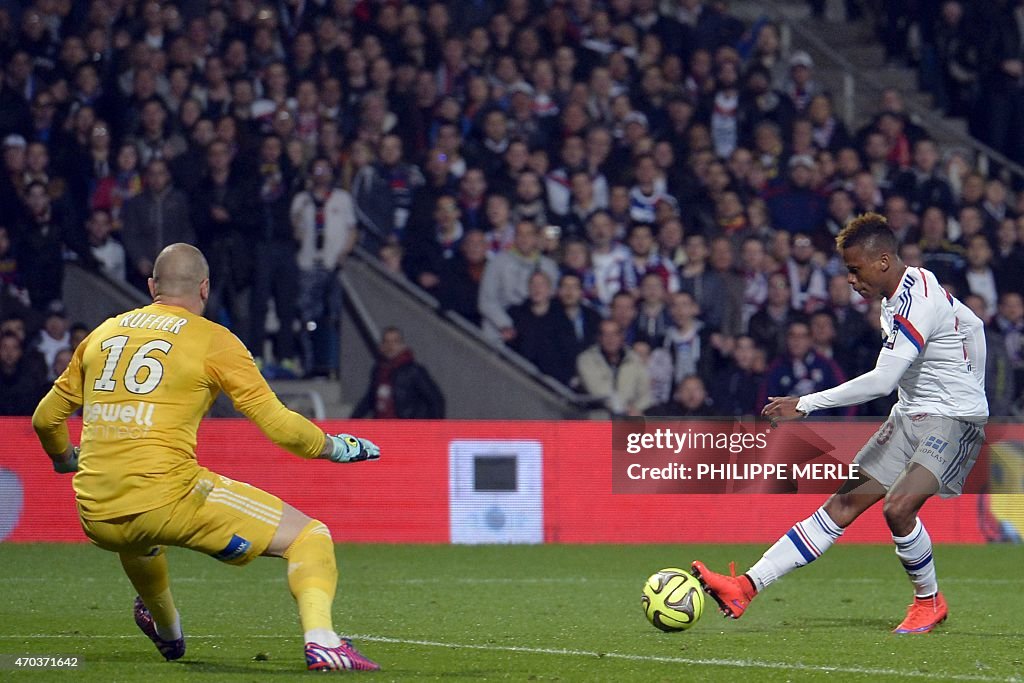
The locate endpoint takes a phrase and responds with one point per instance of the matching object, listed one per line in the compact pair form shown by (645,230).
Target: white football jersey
(945,343)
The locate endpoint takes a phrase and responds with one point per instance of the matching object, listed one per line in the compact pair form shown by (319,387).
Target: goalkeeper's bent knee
(311,561)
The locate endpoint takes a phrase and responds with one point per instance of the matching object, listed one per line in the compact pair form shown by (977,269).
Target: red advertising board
(413,494)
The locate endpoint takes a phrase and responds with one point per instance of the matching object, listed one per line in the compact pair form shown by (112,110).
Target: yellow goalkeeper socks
(152,581)
(312,578)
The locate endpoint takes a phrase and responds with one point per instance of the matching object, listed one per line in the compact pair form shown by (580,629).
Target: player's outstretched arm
(880,381)
(231,367)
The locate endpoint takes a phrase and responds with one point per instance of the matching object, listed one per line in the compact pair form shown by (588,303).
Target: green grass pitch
(537,613)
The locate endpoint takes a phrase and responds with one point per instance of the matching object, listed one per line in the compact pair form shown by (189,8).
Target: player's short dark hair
(870,231)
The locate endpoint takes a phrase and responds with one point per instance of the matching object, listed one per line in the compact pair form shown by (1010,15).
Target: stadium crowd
(639,198)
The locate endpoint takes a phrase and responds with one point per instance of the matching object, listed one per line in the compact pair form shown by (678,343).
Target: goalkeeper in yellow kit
(144,379)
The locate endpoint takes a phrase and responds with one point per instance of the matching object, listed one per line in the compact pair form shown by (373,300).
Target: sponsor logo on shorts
(934,446)
(236,548)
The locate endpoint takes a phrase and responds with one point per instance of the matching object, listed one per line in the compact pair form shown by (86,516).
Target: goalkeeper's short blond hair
(869,231)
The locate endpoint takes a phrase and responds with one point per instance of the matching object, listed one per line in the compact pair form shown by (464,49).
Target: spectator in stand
(459,289)
(60,364)
(506,279)
(706,285)
(472,198)
(735,387)
(801,87)
(829,132)
(42,239)
(752,270)
(921,183)
(807,282)
(645,194)
(277,273)
(152,220)
(105,253)
(690,399)
(1010,323)
(121,185)
(324,223)
(979,277)
(720,261)
(794,205)
(224,218)
(611,371)
(399,387)
(501,229)
(427,256)
(623,310)
(694,346)
(940,255)
(801,370)
(20,388)
(576,261)
(609,258)
(902,221)
(384,192)
(577,323)
(840,212)
(768,326)
(653,318)
(55,334)
(536,329)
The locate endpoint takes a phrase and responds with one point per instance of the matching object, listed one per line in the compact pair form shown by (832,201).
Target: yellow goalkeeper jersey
(144,380)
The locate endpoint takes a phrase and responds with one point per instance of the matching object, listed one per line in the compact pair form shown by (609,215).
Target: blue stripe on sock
(918,565)
(794,537)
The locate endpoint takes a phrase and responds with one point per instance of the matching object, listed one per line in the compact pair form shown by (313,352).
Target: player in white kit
(934,351)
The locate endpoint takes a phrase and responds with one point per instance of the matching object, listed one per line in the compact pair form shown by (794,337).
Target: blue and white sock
(802,544)
(915,552)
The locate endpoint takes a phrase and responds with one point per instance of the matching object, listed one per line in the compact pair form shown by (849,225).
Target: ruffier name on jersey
(152,321)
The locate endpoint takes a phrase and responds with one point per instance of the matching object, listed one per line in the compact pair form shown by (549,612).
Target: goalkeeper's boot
(732,593)
(345,657)
(924,615)
(170,649)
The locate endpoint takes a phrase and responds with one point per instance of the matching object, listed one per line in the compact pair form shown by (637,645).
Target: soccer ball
(672,600)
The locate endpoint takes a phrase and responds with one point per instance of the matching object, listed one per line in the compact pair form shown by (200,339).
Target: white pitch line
(967,580)
(692,661)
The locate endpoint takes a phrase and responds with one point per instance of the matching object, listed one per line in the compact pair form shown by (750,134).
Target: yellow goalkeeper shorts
(229,520)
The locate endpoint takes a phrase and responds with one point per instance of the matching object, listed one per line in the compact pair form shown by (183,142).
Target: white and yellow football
(672,600)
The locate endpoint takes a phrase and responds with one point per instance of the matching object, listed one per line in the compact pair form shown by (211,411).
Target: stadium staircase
(479,380)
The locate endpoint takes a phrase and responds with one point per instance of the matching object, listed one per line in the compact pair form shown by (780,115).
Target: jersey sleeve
(230,367)
(973,329)
(912,324)
(65,397)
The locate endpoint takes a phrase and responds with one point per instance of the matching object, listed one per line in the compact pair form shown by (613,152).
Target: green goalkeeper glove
(348,448)
(68,466)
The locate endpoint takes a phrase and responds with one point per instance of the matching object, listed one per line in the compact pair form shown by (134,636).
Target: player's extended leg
(312,577)
(803,543)
(914,547)
(154,608)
